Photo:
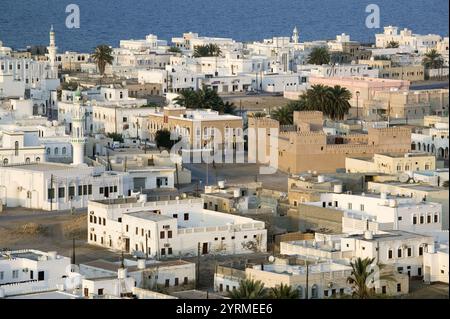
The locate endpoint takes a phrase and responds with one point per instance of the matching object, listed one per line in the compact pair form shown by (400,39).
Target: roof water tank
(221,184)
(392,203)
(320,179)
(337,188)
(368,234)
(141,263)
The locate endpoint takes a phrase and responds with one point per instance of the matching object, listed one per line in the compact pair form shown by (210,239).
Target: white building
(383,212)
(171,228)
(54,186)
(433,140)
(435,262)
(28,270)
(406,38)
(147,274)
(19,147)
(337,70)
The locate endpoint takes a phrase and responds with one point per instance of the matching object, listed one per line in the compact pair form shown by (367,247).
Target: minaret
(295,36)
(52,49)
(78,140)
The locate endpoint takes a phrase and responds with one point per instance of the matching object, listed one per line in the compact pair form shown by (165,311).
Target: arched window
(27,160)
(48,150)
(64,150)
(56,151)
(399,167)
(16,148)
(5,161)
(38,159)
(407,167)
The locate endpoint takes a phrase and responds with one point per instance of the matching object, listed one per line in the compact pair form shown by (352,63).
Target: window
(169,234)
(15,274)
(399,253)
(383,290)
(51,193)
(89,189)
(80,190)
(163,251)
(185,281)
(176,282)
(5,161)
(162,235)
(175,215)
(167,284)
(436,218)
(390,254)
(409,252)
(421,219)
(399,287)
(61,192)
(169,251)
(64,150)
(186,216)
(349,205)
(126,228)
(361,207)
(100,292)
(101,190)
(414,220)
(420,251)
(16,148)
(27,160)
(71,190)
(428,219)
(2,275)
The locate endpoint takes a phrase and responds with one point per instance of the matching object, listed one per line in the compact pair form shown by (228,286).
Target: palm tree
(102,56)
(249,289)
(433,60)
(317,98)
(338,105)
(210,49)
(258,114)
(283,115)
(359,277)
(187,98)
(392,44)
(283,292)
(319,56)
(228,108)
(174,50)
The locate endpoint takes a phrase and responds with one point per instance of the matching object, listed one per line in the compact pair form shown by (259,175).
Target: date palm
(339,104)
(319,56)
(210,49)
(392,44)
(283,292)
(249,289)
(102,56)
(433,60)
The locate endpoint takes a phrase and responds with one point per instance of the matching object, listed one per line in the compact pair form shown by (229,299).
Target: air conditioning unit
(166,245)
(166,227)
(25,270)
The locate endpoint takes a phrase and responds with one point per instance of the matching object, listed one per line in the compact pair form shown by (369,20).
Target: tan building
(391,163)
(387,70)
(408,104)
(199,127)
(304,146)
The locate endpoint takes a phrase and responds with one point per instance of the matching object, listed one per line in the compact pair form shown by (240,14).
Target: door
(106,192)
(205,248)
(127,244)
(41,275)
(86,292)
(31,275)
(139,183)
(419,271)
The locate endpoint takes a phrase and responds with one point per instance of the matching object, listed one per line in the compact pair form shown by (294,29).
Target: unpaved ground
(49,233)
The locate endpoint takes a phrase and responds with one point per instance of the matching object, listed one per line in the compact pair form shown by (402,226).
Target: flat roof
(114,266)
(149,215)
(392,235)
(54,294)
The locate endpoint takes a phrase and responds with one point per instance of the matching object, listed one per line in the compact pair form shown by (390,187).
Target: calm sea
(26,22)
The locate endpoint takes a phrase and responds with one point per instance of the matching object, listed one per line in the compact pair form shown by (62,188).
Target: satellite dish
(404,178)
(271,259)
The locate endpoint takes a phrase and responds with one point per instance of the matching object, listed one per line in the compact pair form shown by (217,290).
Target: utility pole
(73,250)
(197,275)
(115,119)
(307,279)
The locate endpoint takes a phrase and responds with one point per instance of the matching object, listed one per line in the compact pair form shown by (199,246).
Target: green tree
(283,292)
(228,108)
(187,98)
(162,139)
(258,114)
(70,86)
(319,56)
(432,60)
(102,56)
(339,102)
(210,49)
(174,50)
(392,44)
(249,289)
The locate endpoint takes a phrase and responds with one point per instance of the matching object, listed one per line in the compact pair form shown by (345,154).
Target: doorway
(41,275)
(205,248)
